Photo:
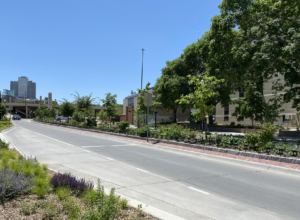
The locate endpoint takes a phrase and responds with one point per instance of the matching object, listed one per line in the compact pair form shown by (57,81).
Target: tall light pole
(142,68)
(25,104)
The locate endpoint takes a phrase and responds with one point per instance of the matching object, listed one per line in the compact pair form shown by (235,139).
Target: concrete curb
(201,147)
(11,143)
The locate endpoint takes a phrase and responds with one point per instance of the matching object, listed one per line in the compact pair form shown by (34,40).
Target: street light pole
(142,68)
(0,103)
(25,105)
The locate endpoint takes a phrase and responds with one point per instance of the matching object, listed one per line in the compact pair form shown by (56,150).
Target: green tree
(254,39)
(67,109)
(110,103)
(139,118)
(170,87)
(3,111)
(40,111)
(83,102)
(205,90)
(102,115)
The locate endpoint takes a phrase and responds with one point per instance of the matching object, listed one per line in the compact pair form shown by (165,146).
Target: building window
(130,102)
(241,94)
(226,119)
(226,110)
(284,119)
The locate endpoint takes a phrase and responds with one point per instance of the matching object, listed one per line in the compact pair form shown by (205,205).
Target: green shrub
(268,133)
(123,203)
(3,145)
(142,131)
(252,138)
(63,193)
(100,206)
(123,125)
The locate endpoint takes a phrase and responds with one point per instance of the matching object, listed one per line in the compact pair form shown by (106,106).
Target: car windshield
(16,115)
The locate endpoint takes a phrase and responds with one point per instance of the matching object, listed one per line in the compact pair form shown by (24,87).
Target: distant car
(60,118)
(16,117)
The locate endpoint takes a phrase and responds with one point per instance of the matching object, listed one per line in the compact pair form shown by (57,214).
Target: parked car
(16,117)
(60,118)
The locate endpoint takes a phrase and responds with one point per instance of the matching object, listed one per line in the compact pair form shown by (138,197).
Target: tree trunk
(174,114)
(210,119)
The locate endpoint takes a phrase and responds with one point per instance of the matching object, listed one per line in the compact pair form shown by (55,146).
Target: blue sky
(95,46)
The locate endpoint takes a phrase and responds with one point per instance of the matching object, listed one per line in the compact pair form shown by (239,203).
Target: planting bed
(49,195)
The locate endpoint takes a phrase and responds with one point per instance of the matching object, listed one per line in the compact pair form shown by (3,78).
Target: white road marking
(198,190)
(122,145)
(109,158)
(87,151)
(93,146)
(145,171)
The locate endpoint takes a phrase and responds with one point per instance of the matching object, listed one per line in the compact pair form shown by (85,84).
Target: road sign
(10,107)
(146,99)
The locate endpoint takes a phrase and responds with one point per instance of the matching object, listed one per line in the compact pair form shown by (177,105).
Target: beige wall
(289,112)
(163,115)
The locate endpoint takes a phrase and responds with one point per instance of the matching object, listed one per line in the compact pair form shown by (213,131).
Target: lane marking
(93,146)
(145,171)
(198,190)
(109,158)
(87,151)
(122,145)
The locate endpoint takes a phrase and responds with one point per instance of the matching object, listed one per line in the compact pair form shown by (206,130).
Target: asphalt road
(191,186)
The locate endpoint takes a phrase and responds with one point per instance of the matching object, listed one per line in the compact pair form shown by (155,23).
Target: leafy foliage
(3,110)
(110,103)
(123,125)
(100,206)
(204,92)
(67,109)
(83,102)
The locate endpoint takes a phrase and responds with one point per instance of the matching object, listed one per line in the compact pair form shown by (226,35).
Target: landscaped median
(5,124)
(261,145)
(28,190)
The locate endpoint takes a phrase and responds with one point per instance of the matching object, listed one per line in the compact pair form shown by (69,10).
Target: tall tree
(102,115)
(110,103)
(3,111)
(172,84)
(259,38)
(204,91)
(67,109)
(83,102)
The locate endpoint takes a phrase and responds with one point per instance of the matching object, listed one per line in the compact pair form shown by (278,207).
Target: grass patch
(4,125)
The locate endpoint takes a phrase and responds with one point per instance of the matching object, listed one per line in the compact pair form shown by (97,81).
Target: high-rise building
(14,87)
(23,88)
(31,90)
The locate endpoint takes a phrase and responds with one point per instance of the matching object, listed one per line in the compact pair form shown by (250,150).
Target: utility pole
(142,68)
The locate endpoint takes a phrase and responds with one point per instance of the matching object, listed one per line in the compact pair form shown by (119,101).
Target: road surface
(188,185)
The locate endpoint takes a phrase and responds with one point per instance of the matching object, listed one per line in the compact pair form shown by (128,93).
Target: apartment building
(223,114)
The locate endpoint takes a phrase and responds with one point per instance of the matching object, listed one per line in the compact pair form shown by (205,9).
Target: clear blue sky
(95,46)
